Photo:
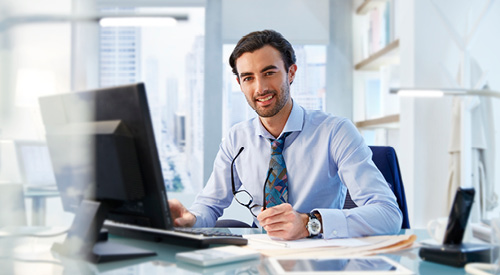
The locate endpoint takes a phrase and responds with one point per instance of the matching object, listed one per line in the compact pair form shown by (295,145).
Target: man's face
(264,80)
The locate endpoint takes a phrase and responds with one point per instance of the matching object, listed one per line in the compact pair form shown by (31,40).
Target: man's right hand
(181,216)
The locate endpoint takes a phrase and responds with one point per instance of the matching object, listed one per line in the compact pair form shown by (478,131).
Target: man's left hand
(283,222)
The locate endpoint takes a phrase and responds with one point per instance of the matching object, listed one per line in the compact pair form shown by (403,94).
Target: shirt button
(335,232)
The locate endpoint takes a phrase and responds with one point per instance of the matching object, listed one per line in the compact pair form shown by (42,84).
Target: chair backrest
(386,161)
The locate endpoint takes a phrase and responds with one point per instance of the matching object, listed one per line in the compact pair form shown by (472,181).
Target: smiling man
(291,166)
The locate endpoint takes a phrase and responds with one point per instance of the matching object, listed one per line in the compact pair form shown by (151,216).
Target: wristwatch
(313,225)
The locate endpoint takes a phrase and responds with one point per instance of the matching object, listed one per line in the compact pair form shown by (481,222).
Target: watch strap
(312,217)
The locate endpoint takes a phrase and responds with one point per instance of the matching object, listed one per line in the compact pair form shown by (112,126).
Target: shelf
(386,56)
(368,5)
(390,121)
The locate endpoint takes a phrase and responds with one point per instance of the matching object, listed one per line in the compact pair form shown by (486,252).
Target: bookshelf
(389,121)
(386,56)
(376,60)
(368,5)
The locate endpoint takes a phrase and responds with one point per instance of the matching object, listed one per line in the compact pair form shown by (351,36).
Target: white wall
(300,21)
(427,53)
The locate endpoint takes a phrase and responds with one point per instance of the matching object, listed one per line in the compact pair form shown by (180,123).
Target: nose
(261,85)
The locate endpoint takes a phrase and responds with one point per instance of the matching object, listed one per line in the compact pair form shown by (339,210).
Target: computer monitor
(35,166)
(106,165)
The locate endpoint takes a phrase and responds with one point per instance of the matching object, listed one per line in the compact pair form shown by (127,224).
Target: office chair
(386,161)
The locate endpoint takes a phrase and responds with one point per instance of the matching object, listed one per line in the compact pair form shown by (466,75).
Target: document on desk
(264,240)
(347,246)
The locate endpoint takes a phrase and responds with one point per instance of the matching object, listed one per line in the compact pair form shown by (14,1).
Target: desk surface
(29,255)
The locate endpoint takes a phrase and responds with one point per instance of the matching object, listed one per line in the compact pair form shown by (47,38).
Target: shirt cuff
(200,222)
(334,223)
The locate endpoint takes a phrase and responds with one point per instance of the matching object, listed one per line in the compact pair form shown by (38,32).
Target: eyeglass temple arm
(264,188)
(232,164)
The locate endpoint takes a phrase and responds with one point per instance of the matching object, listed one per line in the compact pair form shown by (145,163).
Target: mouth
(265,99)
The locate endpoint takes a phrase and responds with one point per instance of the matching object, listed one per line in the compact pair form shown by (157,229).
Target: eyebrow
(269,67)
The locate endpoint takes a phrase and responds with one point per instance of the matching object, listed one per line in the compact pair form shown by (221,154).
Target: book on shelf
(379,30)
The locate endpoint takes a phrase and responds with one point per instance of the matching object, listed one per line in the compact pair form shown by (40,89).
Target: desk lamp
(469,100)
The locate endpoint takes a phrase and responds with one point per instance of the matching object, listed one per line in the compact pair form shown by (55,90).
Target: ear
(291,73)
(238,80)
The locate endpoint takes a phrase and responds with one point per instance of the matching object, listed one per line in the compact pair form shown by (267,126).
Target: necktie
(277,185)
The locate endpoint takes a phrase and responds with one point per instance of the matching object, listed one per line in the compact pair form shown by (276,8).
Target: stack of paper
(330,247)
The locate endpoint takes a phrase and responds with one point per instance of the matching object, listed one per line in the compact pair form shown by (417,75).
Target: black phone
(453,252)
(459,215)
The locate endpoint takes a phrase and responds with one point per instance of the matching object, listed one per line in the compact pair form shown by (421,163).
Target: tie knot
(277,144)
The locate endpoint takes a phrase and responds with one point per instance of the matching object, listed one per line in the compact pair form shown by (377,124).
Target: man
(323,156)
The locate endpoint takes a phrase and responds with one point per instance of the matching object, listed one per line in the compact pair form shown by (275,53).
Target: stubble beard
(281,100)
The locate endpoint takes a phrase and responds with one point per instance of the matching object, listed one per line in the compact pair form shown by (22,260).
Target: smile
(265,98)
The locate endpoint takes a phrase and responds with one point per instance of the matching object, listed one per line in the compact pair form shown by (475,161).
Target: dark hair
(256,40)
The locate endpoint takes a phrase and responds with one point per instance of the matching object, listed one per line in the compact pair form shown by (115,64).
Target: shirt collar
(294,123)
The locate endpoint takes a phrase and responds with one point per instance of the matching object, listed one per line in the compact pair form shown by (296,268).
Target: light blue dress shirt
(325,155)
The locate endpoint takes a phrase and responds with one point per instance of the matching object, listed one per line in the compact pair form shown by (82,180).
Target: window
(169,60)
(308,88)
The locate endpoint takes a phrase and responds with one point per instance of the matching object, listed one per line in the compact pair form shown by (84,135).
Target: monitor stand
(84,240)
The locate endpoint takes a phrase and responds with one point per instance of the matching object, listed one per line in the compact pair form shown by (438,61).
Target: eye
(247,78)
(269,73)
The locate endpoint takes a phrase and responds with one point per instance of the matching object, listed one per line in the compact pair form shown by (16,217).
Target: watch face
(314,226)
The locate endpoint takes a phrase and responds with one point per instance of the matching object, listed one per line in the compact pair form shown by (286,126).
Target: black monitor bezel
(129,104)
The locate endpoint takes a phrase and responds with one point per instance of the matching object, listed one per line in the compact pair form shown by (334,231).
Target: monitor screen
(102,148)
(35,165)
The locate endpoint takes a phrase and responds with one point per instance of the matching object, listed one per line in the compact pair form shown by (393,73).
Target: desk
(32,256)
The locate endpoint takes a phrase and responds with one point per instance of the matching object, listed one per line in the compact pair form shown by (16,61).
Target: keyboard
(193,237)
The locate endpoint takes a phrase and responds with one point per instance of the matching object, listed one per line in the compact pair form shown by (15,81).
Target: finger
(273,211)
(277,220)
(176,208)
(268,217)
(282,207)
(175,212)
(264,214)
(285,231)
(182,222)
(279,223)
(278,215)
(179,222)
(173,202)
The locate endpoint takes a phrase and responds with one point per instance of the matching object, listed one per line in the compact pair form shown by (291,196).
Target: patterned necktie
(277,187)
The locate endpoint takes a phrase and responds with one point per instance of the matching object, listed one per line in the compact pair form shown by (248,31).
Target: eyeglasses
(243,197)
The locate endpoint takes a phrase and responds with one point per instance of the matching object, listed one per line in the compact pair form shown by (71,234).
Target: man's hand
(283,222)
(181,216)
